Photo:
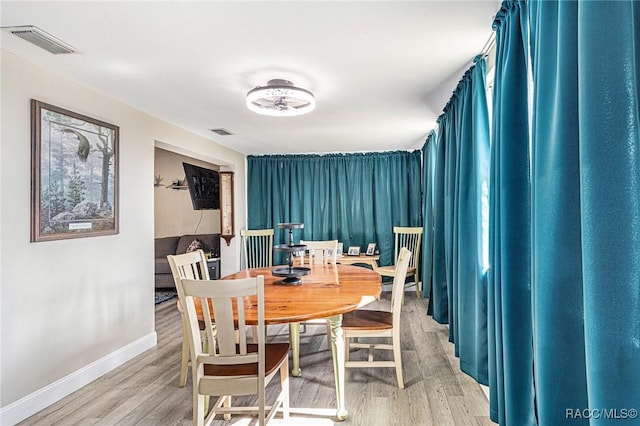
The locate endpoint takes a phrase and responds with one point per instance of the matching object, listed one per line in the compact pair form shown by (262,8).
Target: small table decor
(290,273)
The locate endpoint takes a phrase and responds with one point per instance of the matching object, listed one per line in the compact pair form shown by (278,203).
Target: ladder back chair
(234,367)
(321,252)
(363,323)
(257,247)
(188,265)
(409,237)
(318,253)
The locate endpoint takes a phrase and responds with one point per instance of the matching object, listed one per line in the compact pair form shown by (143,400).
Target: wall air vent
(41,39)
(221,132)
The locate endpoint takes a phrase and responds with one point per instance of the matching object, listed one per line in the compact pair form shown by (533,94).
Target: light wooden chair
(235,367)
(410,238)
(188,265)
(321,252)
(318,253)
(364,323)
(257,247)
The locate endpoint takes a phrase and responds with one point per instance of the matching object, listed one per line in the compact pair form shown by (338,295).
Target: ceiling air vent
(222,132)
(41,39)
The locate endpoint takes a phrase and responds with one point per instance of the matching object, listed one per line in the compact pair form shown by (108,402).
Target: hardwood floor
(144,391)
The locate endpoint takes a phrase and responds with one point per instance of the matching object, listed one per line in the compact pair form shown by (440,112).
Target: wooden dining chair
(257,246)
(321,252)
(363,323)
(317,253)
(409,237)
(188,265)
(235,367)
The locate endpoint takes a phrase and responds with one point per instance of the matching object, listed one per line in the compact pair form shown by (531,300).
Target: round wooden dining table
(328,291)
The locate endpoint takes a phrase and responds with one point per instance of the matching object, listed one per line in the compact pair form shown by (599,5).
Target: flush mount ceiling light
(280,98)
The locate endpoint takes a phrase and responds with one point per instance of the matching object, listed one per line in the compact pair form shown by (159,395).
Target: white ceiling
(381,71)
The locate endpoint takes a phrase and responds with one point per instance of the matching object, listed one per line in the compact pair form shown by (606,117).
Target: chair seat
(389,271)
(366,319)
(274,354)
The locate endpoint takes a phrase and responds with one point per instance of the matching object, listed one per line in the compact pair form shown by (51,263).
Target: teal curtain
(354,198)
(461,224)
(586,210)
(439,300)
(428,189)
(509,289)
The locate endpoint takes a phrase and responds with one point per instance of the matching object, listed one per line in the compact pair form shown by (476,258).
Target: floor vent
(41,39)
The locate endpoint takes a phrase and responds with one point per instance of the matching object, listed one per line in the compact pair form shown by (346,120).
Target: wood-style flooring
(145,391)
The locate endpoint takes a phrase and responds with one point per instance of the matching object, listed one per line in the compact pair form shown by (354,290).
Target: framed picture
(354,251)
(371,249)
(340,249)
(74,175)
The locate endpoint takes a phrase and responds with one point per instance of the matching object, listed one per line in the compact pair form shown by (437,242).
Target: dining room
(474,163)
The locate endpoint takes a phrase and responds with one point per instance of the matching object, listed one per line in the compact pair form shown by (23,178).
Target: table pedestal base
(337,349)
(336,341)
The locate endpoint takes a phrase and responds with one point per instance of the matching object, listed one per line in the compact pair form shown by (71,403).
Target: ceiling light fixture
(280,98)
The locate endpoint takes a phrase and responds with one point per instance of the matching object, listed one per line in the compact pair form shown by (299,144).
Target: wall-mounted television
(204,187)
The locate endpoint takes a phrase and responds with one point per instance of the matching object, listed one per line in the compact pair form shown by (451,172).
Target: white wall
(174,213)
(73,309)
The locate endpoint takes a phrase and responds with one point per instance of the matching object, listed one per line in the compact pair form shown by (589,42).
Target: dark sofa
(178,245)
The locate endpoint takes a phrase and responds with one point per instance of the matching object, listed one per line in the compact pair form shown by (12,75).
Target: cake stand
(291,273)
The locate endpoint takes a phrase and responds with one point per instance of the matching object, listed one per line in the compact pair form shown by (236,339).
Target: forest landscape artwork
(74,181)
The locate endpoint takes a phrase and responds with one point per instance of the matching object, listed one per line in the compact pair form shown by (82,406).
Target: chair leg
(284,382)
(397,358)
(294,336)
(227,404)
(198,409)
(184,364)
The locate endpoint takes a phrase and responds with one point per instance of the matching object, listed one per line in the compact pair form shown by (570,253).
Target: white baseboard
(42,398)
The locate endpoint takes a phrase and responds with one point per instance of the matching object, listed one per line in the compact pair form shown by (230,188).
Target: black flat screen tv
(204,187)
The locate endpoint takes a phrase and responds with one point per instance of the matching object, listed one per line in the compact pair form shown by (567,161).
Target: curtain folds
(509,289)
(586,209)
(439,300)
(558,310)
(354,198)
(428,189)
(609,108)
(461,222)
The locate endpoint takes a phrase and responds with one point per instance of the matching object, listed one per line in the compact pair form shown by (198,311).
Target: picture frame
(340,249)
(371,249)
(354,251)
(74,174)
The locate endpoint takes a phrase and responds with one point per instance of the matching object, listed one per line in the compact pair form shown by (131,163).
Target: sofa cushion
(165,246)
